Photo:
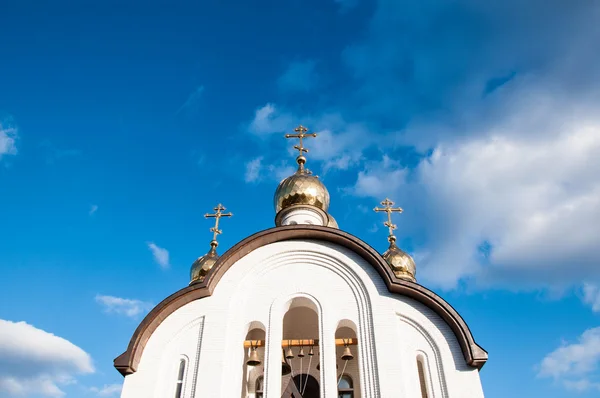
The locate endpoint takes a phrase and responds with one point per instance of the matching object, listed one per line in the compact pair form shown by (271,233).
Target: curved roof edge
(127,362)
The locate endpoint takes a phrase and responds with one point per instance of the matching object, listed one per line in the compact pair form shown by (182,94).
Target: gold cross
(301,133)
(217,215)
(389,210)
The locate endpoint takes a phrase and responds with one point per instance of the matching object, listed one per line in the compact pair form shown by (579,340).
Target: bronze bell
(311,352)
(286,369)
(347,354)
(301,353)
(253,358)
(289,354)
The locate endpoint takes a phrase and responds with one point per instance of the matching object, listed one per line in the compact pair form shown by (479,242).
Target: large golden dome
(402,263)
(301,188)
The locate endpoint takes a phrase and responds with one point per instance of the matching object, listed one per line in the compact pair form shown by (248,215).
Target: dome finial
(402,263)
(217,215)
(300,134)
(204,264)
(387,207)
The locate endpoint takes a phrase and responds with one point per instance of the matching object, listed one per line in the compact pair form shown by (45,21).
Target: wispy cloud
(374,228)
(591,296)
(257,171)
(93,209)
(193,100)
(268,120)
(161,255)
(8,141)
(123,306)
(54,154)
(299,76)
(107,390)
(35,362)
(575,365)
(345,5)
(253,169)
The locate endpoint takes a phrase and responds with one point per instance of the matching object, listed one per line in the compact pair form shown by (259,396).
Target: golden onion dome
(301,188)
(332,222)
(402,263)
(203,264)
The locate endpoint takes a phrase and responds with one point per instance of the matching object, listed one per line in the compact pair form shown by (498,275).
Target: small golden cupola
(203,264)
(302,198)
(401,263)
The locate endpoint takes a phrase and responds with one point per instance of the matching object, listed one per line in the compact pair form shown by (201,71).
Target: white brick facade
(392,331)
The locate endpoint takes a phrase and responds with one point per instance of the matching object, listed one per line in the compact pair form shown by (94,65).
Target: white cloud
(122,306)
(161,255)
(93,209)
(575,365)
(339,145)
(534,201)
(108,390)
(8,137)
(33,361)
(253,169)
(591,296)
(257,171)
(269,120)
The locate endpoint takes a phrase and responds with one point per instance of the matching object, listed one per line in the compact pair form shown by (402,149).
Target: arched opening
(422,377)
(307,385)
(300,350)
(259,387)
(345,387)
(254,354)
(180,378)
(347,359)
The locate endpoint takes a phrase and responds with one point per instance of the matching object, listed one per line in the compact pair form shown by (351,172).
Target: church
(303,310)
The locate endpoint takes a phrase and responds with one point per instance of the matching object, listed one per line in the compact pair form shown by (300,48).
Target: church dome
(301,188)
(332,222)
(402,263)
(203,264)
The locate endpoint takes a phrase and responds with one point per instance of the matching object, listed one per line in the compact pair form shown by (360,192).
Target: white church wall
(341,285)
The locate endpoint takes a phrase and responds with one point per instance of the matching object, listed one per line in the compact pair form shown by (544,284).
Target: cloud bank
(575,365)
(33,361)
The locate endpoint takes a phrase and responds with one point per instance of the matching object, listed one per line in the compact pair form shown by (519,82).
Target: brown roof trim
(127,362)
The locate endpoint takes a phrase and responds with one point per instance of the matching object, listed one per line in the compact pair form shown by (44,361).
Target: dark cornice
(127,362)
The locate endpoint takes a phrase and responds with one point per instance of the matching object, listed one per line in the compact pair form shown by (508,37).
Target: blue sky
(122,123)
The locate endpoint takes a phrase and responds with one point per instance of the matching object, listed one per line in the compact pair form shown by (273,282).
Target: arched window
(422,381)
(180,374)
(258,392)
(345,387)
(254,356)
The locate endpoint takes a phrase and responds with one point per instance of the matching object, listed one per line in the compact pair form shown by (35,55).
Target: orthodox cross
(217,215)
(301,133)
(387,207)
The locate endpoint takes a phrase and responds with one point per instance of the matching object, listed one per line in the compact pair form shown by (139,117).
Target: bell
(347,354)
(311,352)
(289,354)
(286,369)
(301,353)
(253,358)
